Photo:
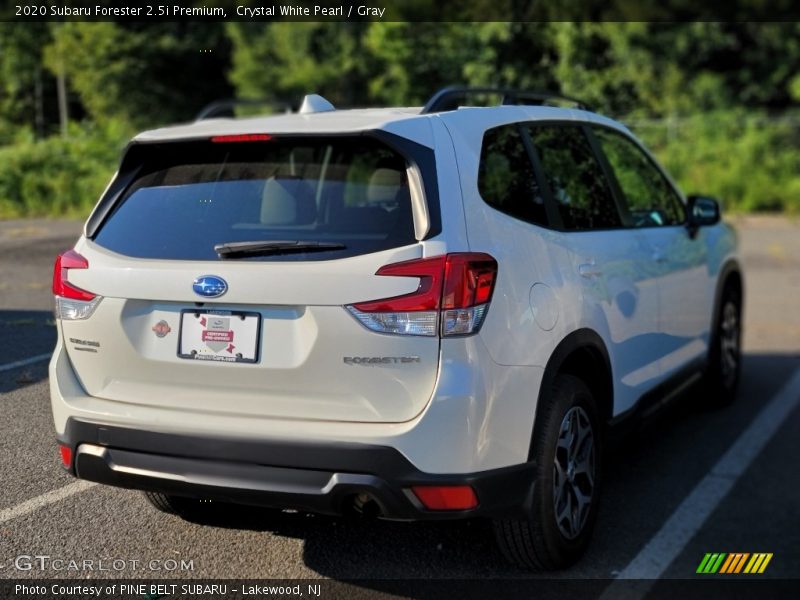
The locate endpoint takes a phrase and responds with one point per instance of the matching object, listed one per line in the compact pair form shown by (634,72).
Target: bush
(59,177)
(751,162)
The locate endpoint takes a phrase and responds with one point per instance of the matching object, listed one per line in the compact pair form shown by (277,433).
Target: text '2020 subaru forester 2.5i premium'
(425,314)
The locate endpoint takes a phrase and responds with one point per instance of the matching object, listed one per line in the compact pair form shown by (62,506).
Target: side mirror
(701,211)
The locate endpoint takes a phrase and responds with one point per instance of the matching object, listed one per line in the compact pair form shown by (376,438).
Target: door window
(576,179)
(649,200)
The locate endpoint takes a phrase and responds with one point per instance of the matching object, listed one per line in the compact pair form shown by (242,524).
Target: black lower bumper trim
(323,478)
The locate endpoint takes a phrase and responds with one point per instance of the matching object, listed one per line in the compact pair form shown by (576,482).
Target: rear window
(188,197)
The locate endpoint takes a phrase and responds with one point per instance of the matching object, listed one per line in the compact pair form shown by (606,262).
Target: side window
(576,179)
(649,199)
(505,176)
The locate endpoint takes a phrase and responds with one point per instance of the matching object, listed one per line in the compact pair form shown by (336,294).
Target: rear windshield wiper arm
(263,248)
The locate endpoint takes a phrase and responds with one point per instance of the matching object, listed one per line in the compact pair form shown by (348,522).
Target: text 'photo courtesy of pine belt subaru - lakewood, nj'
(407,313)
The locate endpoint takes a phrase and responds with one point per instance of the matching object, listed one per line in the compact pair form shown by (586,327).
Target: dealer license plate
(220,335)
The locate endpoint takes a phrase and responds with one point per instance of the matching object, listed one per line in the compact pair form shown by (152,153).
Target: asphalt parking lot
(675,466)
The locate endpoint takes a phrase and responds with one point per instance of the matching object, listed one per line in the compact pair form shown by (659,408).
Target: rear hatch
(220,276)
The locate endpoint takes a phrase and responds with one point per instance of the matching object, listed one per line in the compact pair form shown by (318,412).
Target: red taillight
(242,137)
(66,456)
(469,280)
(428,295)
(446,497)
(66,261)
(455,288)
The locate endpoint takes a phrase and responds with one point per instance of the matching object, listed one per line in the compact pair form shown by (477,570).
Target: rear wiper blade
(264,248)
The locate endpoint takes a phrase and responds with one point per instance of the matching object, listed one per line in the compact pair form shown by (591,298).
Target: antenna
(314,103)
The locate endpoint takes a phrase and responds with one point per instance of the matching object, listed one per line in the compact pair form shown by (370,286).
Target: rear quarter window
(188,197)
(506,179)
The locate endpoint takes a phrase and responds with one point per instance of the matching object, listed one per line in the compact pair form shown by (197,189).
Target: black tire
(540,542)
(724,356)
(187,508)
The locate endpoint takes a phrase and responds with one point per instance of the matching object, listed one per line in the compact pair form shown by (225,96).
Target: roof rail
(225,108)
(449,98)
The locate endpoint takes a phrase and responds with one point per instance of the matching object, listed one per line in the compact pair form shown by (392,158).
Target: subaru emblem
(209,286)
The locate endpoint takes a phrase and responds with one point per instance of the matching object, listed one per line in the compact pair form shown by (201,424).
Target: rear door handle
(589,270)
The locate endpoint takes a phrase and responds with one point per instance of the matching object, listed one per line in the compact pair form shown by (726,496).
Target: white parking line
(25,362)
(689,517)
(34,504)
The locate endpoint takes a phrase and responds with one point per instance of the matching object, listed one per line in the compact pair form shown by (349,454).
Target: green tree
(26,89)
(284,61)
(660,69)
(145,75)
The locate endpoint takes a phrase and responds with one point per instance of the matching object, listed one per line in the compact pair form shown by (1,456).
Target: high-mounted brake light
(72,303)
(453,295)
(242,137)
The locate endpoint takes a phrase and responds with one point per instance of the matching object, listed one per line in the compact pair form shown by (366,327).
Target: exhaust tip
(365,505)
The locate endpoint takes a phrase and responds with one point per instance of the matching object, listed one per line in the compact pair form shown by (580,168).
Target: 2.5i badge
(224,336)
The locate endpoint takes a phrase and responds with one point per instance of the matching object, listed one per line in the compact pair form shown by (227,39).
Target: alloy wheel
(729,344)
(574,472)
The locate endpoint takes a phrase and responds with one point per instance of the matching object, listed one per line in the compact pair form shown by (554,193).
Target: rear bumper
(323,478)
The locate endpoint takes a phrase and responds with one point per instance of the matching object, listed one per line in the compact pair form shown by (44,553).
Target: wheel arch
(583,354)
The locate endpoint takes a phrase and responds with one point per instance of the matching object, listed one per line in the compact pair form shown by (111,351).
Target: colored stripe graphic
(711,563)
(758,563)
(741,562)
(752,563)
(703,563)
(732,563)
(717,564)
(729,562)
(766,562)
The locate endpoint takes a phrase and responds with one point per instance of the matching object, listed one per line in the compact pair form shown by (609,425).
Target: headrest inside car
(384,184)
(287,202)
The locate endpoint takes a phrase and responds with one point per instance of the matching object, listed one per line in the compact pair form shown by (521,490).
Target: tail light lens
(72,303)
(468,286)
(453,295)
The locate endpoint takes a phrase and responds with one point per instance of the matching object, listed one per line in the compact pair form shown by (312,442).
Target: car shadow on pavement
(25,334)
(355,547)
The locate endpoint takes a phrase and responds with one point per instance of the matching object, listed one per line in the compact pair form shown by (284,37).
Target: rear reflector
(446,497)
(243,137)
(453,295)
(66,456)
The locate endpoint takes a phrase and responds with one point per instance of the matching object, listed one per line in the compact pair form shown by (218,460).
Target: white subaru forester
(413,314)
